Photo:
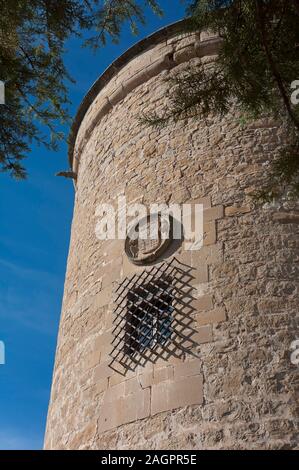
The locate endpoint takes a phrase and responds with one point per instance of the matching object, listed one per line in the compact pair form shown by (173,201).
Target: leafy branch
(32,47)
(257,62)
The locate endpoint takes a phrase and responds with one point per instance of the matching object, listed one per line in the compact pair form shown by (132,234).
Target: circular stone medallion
(148,239)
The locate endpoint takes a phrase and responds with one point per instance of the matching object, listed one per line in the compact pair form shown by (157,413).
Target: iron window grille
(149,316)
(152,316)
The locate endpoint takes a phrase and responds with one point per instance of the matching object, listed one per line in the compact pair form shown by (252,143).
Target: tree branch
(274,70)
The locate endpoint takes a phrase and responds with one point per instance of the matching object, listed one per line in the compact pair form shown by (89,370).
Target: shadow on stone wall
(153,318)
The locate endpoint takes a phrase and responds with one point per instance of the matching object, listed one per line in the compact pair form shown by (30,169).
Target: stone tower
(222,377)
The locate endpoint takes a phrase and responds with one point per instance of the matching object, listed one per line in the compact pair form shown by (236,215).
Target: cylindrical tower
(200,339)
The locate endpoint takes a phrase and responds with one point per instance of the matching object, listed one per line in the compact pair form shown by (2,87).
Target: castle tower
(163,347)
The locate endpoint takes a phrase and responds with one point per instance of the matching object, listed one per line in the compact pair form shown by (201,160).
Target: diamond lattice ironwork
(153,316)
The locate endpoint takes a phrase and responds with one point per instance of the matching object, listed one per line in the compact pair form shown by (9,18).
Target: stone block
(178,38)
(187,369)
(116,95)
(212,254)
(213,213)
(209,233)
(136,406)
(117,378)
(189,40)
(146,379)
(217,315)
(204,201)
(111,272)
(162,374)
(171,395)
(101,385)
(103,341)
(208,48)
(235,210)
(203,335)
(291,217)
(109,417)
(113,249)
(102,371)
(103,298)
(116,392)
(200,274)
(185,54)
(132,385)
(208,35)
(135,80)
(124,410)
(128,268)
(92,360)
(185,257)
(205,302)
(157,67)
(160,52)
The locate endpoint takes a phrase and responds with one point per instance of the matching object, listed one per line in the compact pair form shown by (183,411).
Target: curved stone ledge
(161,51)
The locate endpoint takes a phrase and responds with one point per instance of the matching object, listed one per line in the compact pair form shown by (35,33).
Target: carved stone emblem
(148,239)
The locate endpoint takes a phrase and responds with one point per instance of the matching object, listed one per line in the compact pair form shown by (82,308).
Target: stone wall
(236,388)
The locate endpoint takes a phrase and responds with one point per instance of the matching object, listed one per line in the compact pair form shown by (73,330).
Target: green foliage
(257,62)
(32,44)
(283,176)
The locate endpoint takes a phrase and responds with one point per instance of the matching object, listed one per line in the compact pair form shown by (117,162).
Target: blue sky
(35,218)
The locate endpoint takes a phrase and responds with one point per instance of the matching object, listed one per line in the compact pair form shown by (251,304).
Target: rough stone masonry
(237,388)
